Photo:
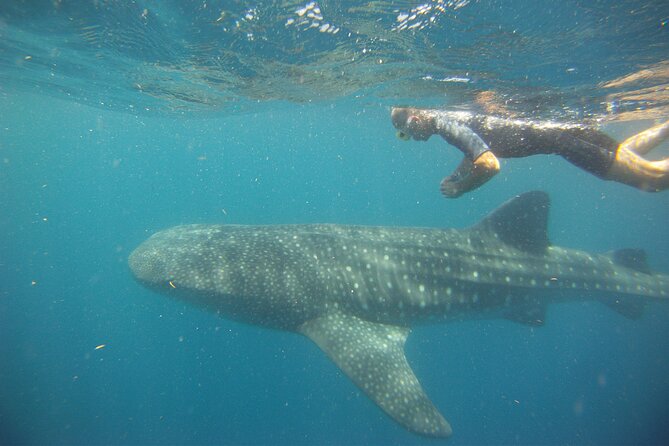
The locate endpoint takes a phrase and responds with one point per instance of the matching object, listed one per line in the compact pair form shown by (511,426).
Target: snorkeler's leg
(470,174)
(645,141)
(633,170)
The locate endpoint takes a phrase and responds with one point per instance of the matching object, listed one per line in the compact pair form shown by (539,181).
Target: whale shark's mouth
(146,265)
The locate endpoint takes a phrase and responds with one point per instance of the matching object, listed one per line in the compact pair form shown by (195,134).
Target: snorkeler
(484,138)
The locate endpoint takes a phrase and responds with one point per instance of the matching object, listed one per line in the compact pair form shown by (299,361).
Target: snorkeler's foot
(633,170)
(645,141)
(470,175)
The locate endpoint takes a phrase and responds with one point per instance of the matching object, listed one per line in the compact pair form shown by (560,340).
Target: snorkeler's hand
(452,185)
(470,175)
(449,188)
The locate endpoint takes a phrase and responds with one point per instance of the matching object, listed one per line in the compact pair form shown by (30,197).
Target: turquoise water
(116,123)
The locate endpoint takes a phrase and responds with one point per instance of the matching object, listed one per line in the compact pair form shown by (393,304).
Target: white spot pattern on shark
(356,291)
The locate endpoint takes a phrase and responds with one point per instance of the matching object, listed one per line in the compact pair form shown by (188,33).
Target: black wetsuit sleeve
(464,138)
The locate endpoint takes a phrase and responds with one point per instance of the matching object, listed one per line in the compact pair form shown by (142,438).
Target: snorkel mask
(403,136)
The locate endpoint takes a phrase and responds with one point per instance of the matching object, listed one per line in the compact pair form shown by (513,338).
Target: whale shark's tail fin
(372,355)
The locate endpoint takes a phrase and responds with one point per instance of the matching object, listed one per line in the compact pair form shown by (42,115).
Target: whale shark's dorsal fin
(521,222)
(372,355)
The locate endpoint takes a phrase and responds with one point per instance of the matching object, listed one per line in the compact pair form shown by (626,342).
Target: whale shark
(356,291)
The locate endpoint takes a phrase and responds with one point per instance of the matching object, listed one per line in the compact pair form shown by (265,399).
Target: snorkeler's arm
(464,138)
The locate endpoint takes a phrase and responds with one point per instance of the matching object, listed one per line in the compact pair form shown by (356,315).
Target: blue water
(83,180)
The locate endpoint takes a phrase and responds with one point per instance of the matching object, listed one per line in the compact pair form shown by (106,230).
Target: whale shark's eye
(403,136)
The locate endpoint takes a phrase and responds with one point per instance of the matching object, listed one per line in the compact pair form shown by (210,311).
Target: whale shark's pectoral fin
(372,355)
